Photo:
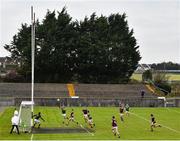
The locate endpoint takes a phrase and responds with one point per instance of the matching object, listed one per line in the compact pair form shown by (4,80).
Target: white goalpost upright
(27,107)
(32,59)
(165,101)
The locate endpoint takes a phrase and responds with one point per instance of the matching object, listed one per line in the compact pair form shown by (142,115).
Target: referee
(15,122)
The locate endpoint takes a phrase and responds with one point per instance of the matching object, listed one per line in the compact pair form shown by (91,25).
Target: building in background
(7,65)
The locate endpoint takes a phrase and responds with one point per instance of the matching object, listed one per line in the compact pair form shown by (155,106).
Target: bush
(147,75)
(160,77)
(164,87)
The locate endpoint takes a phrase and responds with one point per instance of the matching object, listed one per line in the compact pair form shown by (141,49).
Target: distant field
(137,76)
(172,76)
(136,126)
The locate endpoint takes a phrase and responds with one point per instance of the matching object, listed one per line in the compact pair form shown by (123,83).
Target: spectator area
(104,91)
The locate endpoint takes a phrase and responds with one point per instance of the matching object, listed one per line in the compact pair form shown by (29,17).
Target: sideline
(161,124)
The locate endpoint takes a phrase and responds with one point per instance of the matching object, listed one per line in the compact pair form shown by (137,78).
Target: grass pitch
(136,126)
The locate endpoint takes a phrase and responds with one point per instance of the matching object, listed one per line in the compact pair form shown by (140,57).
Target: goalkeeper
(37,119)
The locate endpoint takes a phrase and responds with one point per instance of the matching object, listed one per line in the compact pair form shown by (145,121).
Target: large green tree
(108,50)
(57,37)
(94,50)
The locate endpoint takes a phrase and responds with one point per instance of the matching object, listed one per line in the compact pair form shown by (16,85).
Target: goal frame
(26,103)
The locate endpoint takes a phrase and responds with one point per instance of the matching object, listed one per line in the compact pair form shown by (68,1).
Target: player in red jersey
(115,127)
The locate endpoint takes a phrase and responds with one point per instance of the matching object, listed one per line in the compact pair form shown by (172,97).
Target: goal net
(25,116)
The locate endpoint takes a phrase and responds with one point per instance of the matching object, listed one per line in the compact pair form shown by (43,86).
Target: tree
(160,77)
(166,66)
(161,81)
(56,46)
(147,75)
(110,50)
(95,50)
(20,49)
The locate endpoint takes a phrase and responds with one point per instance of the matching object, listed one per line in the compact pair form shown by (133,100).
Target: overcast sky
(156,23)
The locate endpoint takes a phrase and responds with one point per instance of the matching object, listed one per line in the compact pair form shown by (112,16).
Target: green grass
(135,126)
(172,76)
(137,76)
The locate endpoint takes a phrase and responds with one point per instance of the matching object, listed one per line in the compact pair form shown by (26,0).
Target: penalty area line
(86,130)
(161,124)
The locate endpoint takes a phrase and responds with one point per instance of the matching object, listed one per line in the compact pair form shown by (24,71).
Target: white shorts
(121,114)
(85,116)
(71,118)
(153,123)
(115,129)
(64,115)
(90,121)
(37,121)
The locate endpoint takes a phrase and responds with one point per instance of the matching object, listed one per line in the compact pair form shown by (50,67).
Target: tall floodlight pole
(32,59)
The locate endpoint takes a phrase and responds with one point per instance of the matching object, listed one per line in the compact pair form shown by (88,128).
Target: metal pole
(32,61)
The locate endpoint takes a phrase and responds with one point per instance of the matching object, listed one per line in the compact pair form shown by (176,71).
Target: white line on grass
(161,124)
(86,130)
(173,110)
(32,137)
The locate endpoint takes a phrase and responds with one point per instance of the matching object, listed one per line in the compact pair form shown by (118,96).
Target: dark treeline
(94,50)
(166,66)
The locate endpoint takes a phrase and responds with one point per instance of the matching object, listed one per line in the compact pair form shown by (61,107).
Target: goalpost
(32,60)
(25,116)
(27,107)
(164,100)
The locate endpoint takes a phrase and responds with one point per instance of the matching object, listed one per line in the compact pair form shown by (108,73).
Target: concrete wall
(93,102)
(6,101)
(136,102)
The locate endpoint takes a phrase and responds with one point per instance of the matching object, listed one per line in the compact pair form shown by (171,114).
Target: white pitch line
(32,137)
(173,110)
(140,116)
(161,124)
(86,130)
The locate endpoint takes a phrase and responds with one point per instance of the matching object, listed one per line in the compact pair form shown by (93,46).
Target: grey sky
(156,23)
